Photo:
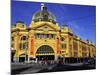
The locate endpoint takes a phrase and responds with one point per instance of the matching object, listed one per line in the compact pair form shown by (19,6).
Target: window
(63,52)
(52,35)
(23,46)
(80,46)
(47,35)
(70,46)
(36,36)
(70,53)
(45,17)
(84,48)
(75,54)
(12,38)
(75,45)
(12,45)
(40,36)
(23,38)
(63,46)
(44,36)
(62,38)
(84,54)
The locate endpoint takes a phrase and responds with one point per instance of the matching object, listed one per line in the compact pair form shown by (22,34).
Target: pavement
(59,68)
(22,68)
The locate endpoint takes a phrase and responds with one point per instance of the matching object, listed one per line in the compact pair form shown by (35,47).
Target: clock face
(45,28)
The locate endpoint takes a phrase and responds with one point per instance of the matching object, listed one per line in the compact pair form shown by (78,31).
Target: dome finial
(42,6)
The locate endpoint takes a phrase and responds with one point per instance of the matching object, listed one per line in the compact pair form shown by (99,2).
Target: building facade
(44,38)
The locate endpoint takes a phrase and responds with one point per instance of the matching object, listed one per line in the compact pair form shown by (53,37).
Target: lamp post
(28,38)
(63,58)
(12,54)
(25,52)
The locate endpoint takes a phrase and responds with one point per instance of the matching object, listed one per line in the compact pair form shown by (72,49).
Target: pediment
(46,26)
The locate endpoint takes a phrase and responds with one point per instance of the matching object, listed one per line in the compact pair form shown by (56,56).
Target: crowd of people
(51,62)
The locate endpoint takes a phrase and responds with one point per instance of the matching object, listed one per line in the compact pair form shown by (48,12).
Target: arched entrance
(23,58)
(12,55)
(45,52)
(13,51)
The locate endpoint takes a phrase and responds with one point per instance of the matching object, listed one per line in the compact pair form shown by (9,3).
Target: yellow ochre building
(44,38)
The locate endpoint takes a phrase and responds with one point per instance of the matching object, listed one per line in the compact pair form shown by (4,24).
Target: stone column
(56,58)
(31,45)
(17,40)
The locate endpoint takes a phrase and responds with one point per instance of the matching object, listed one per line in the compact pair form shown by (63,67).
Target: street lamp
(12,54)
(63,58)
(25,52)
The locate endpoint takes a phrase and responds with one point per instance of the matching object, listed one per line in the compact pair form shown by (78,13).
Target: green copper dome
(44,15)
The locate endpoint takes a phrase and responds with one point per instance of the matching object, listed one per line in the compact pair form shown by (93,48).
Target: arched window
(45,49)
(12,38)
(23,46)
(24,43)
(62,38)
(23,38)
(45,17)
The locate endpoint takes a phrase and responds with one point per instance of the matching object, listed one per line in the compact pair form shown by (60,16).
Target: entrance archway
(13,51)
(23,58)
(12,55)
(45,52)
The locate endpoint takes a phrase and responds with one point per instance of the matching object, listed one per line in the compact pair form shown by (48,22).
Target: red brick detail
(32,46)
(58,48)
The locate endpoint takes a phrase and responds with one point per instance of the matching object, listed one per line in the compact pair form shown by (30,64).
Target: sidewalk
(74,64)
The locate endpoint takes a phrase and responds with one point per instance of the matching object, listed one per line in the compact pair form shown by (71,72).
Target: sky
(80,18)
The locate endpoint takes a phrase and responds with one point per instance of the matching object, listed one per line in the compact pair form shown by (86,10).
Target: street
(22,68)
(68,67)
